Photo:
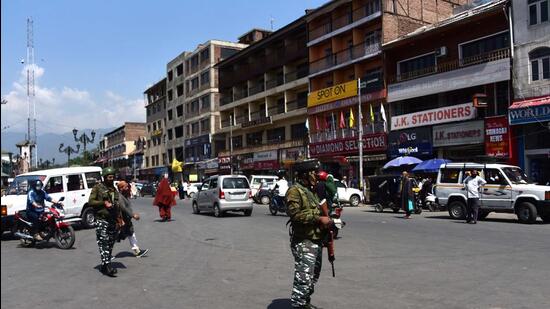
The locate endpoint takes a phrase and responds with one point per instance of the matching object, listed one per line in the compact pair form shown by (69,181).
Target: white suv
(507,190)
(348,195)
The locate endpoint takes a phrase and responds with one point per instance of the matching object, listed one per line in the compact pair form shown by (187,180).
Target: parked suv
(219,194)
(348,195)
(507,190)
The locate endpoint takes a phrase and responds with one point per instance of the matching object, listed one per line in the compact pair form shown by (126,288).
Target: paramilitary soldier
(307,226)
(104,200)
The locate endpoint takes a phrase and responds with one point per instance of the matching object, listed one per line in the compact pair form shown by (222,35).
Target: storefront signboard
(224,163)
(203,139)
(337,92)
(245,161)
(257,122)
(530,114)
(463,133)
(434,116)
(349,145)
(414,142)
(266,160)
(290,155)
(351,101)
(497,137)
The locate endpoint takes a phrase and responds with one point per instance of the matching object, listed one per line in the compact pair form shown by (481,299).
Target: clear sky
(95,58)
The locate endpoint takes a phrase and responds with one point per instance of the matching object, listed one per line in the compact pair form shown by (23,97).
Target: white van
(74,183)
(256,182)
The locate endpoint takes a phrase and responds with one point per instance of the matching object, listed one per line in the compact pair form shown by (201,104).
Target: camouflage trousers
(105,233)
(308,258)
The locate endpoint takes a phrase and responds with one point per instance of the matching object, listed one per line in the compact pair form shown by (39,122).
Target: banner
(464,133)
(434,116)
(497,137)
(414,142)
(349,146)
(325,95)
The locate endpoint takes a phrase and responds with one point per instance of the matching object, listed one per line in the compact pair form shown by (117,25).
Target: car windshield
(20,184)
(516,175)
(235,183)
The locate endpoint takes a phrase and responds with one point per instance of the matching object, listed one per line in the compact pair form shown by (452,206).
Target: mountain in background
(48,143)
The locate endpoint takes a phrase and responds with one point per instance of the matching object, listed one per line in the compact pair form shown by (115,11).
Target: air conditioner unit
(441,51)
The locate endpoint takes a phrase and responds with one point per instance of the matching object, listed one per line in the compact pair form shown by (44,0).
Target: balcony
(225,123)
(486,68)
(276,110)
(296,104)
(292,76)
(344,57)
(240,94)
(345,21)
(257,115)
(226,99)
(241,119)
(279,80)
(256,89)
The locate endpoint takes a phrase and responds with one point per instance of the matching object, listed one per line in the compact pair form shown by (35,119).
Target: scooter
(53,225)
(431,202)
(276,204)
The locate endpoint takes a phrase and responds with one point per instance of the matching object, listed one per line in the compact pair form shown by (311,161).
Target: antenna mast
(31,93)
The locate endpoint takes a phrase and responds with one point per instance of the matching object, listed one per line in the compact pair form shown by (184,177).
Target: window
(540,63)
(170,116)
(170,75)
(179,69)
(195,106)
(495,177)
(74,182)
(170,95)
(483,46)
(170,135)
(194,83)
(372,40)
(205,55)
(214,183)
(235,183)
(227,52)
(146,161)
(92,179)
(205,125)
(416,66)
(298,131)
(374,80)
(538,11)
(179,91)
(253,139)
(195,128)
(276,135)
(372,7)
(205,102)
(179,131)
(449,175)
(55,185)
(205,78)
(179,111)
(238,141)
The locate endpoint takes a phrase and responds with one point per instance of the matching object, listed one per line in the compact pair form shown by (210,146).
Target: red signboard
(497,137)
(349,145)
(266,165)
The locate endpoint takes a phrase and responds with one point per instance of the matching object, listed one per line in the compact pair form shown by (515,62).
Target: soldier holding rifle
(309,227)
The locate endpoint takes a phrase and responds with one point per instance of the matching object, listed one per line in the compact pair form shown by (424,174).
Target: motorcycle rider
(36,205)
(282,186)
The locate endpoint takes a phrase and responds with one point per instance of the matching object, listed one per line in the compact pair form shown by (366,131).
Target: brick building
(264,91)
(344,43)
(117,145)
(155,158)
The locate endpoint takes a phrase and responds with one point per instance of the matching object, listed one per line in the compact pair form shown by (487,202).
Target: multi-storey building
(264,91)
(439,79)
(193,100)
(118,144)
(344,42)
(529,115)
(156,160)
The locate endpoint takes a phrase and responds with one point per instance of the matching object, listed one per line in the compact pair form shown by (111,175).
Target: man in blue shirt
(35,206)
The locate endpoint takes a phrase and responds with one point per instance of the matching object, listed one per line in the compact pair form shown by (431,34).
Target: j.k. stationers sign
(434,116)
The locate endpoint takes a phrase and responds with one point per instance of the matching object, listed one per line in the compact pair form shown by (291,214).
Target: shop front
(530,124)
(461,141)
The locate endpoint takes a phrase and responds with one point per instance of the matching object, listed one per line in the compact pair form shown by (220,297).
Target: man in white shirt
(472,184)
(282,185)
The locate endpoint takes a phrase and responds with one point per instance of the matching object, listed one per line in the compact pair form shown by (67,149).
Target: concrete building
(344,42)
(118,144)
(192,105)
(264,91)
(529,115)
(155,158)
(438,77)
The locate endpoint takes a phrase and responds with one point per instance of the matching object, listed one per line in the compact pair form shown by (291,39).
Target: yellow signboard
(340,91)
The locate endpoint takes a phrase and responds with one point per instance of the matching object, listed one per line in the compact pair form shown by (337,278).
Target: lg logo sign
(407,137)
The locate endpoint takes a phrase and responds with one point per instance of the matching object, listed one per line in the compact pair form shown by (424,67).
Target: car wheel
(265,200)
(379,208)
(527,213)
(354,200)
(192,195)
(196,209)
(248,212)
(217,212)
(457,210)
(88,218)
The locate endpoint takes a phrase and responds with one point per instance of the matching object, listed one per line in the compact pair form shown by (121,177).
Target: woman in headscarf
(407,195)
(164,199)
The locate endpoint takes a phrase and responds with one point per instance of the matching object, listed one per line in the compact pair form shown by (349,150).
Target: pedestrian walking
(407,195)
(306,232)
(128,214)
(105,200)
(472,183)
(164,199)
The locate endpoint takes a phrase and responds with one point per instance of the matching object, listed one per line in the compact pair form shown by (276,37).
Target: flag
(177,166)
(326,124)
(333,126)
(383,114)
(371,114)
(342,120)
(317,128)
(307,124)
(351,118)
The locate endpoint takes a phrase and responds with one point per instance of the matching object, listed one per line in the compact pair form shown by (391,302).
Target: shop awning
(531,102)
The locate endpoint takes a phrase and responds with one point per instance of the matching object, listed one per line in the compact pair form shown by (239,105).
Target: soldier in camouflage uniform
(306,232)
(104,200)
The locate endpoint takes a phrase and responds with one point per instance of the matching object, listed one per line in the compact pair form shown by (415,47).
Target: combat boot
(108,270)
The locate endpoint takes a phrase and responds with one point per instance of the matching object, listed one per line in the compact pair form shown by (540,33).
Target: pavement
(199,261)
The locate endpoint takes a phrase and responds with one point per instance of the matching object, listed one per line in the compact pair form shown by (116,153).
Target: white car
(348,195)
(256,182)
(193,189)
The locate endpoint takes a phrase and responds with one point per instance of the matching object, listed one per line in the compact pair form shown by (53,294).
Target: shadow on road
(113,264)
(502,220)
(280,303)
(124,254)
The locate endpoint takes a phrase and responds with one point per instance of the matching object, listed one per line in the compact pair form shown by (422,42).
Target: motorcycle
(431,202)
(53,225)
(276,203)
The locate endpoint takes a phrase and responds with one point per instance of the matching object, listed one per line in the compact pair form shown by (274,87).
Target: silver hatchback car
(219,194)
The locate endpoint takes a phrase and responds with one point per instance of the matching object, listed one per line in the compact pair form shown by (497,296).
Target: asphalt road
(198,261)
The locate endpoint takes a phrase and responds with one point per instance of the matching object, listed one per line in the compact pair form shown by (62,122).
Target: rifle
(329,240)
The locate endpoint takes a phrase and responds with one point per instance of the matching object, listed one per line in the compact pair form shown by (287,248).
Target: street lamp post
(69,150)
(231,143)
(361,184)
(83,139)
